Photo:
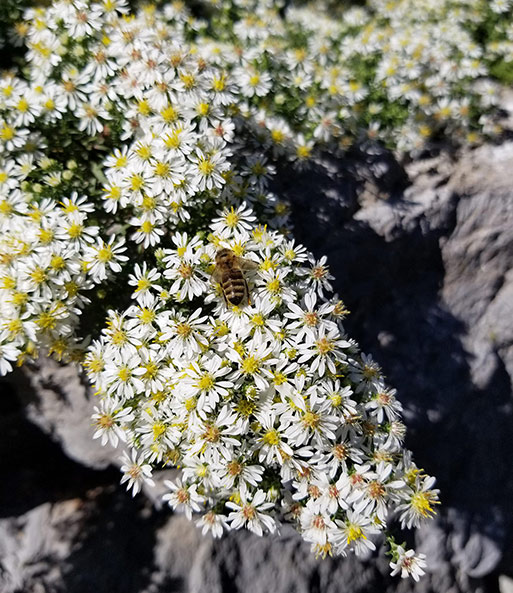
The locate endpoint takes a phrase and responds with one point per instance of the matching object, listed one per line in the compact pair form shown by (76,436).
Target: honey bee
(229,273)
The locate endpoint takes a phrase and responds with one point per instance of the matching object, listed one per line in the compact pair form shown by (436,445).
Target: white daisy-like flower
(110,419)
(250,512)
(135,472)
(408,563)
(183,498)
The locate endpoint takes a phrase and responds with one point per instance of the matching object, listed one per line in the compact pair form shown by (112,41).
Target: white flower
(419,502)
(144,280)
(316,525)
(121,376)
(384,404)
(9,352)
(184,498)
(408,563)
(204,379)
(110,420)
(216,435)
(250,512)
(135,472)
(208,169)
(184,336)
(231,220)
(183,267)
(252,362)
(325,347)
(104,257)
(214,523)
(356,531)
(253,83)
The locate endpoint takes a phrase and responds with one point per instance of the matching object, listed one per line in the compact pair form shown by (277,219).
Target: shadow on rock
(391,282)
(116,547)
(34,469)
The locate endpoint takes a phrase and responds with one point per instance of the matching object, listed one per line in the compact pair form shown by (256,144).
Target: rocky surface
(423,257)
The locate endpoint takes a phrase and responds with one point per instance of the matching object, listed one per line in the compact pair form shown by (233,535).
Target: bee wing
(217,274)
(246,264)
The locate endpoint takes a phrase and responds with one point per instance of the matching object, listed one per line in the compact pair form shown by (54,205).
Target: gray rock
(60,402)
(425,265)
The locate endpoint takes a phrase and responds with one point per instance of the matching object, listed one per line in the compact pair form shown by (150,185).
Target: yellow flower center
(45,235)
(144,107)
(46,321)
(274,285)
(19,299)
(158,429)
(169,114)
(124,374)
(57,263)
(105,254)
(278,136)
(75,230)
(311,420)
(250,365)
(94,364)
(190,404)
(147,227)
(203,109)
(6,132)
(15,326)
(206,382)
(119,337)
(22,105)
(8,283)
(162,169)
(71,288)
(151,370)
(258,320)
(136,182)
(147,315)
(422,503)
(121,162)
(183,330)
(279,378)
(354,532)
(271,437)
(144,151)
(324,346)
(38,275)
(188,80)
(142,284)
(245,408)
(206,167)
(303,152)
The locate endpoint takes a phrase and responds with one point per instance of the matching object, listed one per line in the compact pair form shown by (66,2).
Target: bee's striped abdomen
(234,286)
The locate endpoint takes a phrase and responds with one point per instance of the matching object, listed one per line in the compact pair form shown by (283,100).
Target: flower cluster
(96,83)
(268,409)
(50,254)
(396,72)
(150,138)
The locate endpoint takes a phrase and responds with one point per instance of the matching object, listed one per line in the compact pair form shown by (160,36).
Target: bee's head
(223,256)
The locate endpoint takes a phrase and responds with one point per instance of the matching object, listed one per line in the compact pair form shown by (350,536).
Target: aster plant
(133,147)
